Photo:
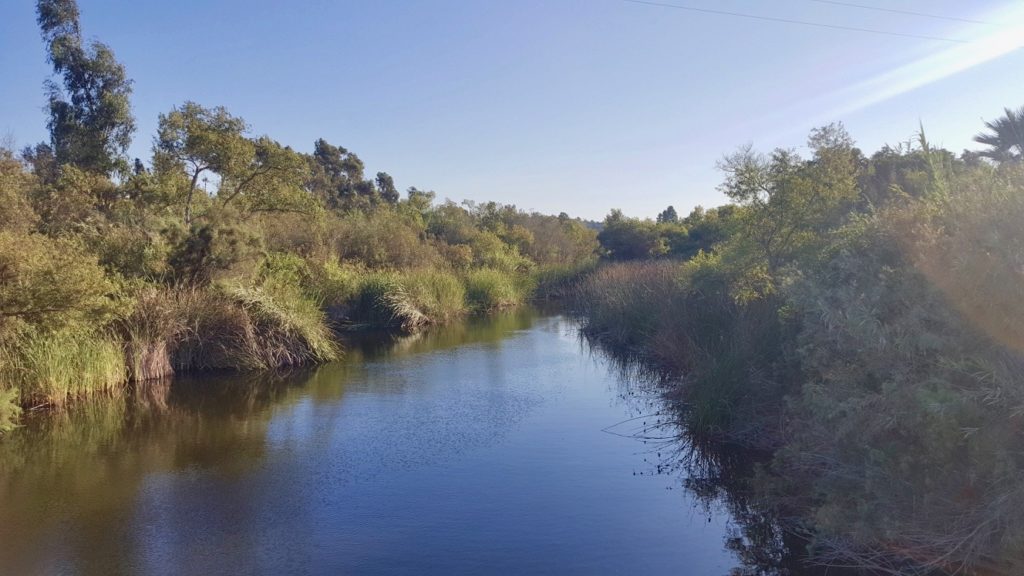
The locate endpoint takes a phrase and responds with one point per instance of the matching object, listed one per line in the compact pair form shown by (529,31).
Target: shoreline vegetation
(225,250)
(856,328)
(853,319)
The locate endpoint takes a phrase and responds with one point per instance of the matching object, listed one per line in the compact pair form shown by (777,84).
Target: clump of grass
(561,280)
(52,368)
(335,283)
(285,327)
(249,328)
(438,294)
(383,301)
(624,305)
(150,331)
(490,289)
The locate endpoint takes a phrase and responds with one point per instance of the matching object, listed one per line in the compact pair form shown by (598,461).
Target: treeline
(226,250)
(860,319)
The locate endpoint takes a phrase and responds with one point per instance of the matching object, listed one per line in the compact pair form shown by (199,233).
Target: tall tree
(386,188)
(1005,137)
(91,122)
(337,177)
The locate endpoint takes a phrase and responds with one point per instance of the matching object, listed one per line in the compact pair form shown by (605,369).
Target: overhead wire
(799,22)
(898,11)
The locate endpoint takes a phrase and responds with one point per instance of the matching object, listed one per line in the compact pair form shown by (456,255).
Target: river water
(495,446)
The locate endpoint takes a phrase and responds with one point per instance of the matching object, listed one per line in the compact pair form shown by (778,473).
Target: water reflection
(488,446)
(716,473)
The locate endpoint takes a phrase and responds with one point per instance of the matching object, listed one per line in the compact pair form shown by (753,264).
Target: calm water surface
(480,448)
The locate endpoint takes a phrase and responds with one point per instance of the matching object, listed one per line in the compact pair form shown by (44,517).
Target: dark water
(481,448)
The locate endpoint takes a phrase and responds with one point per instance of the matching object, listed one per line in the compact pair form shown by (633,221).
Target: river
(495,446)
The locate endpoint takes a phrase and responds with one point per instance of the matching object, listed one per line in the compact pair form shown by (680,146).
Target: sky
(578,106)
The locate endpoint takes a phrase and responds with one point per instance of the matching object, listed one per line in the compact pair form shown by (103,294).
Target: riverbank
(437,444)
(294,315)
(878,365)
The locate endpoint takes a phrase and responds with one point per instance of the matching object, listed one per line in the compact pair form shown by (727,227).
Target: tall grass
(56,367)
(561,280)
(383,301)
(285,327)
(249,328)
(685,320)
(490,289)
(439,294)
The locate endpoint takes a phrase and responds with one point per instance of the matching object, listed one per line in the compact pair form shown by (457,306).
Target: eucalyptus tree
(386,188)
(91,122)
(1005,137)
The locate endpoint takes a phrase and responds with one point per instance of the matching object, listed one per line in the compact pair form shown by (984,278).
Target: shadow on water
(716,473)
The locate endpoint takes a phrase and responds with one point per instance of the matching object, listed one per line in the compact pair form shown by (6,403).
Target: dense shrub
(51,283)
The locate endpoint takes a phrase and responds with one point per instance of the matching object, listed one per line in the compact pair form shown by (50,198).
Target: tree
(386,188)
(630,238)
(1005,137)
(787,200)
(337,177)
(668,215)
(271,180)
(90,123)
(198,140)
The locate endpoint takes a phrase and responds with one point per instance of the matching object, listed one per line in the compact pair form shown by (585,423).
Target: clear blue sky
(552,105)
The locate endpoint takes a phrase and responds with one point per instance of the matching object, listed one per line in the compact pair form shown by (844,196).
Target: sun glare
(1004,36)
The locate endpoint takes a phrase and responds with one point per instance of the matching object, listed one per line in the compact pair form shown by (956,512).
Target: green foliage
(51,283)
(16,185)
(90,115)
(383,300)
(440,295)
(381,239)
(787,201)
(860,320)
(249,328)
(629,238)
(336,177)
(54,367)
(1005,137)
(668,216)
(227,251)
(211,250)
(10,410)
(490,289)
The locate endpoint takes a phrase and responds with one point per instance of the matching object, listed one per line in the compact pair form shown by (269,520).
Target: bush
(51,283)
(382,239)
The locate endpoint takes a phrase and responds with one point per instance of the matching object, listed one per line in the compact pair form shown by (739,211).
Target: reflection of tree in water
(73,478)
(718,474)
(72,482)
